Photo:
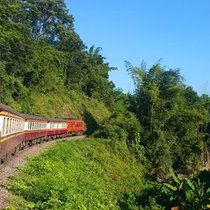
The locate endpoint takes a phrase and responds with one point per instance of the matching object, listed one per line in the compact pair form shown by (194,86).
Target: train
(19,130)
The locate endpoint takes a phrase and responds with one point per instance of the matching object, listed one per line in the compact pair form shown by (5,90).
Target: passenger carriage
(17,130)
(12,125)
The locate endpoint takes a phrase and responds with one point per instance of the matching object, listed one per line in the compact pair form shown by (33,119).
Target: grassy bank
(84,174)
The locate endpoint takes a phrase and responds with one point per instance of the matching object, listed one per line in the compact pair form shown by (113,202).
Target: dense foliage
(173,117)
(40,53)
(46,69)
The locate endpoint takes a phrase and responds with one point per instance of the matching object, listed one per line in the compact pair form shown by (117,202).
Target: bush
(122,126)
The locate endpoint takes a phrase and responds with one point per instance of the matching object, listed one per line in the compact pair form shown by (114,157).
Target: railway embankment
(10,167)
(91,174)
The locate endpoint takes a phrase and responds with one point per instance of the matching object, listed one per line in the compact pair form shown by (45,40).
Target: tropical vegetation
(139,141)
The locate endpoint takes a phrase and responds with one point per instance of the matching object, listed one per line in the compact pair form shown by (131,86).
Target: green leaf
(174,177)
(190,184)
(171,187)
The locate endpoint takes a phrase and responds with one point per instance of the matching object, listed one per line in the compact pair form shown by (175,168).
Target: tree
(171,116)
(47,19)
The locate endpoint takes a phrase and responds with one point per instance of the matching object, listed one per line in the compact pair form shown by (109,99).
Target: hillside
(139,140)
(82,174)
(45,69)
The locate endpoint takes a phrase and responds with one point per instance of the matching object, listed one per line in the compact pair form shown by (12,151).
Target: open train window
(13,125)
(7,125)
(4,126)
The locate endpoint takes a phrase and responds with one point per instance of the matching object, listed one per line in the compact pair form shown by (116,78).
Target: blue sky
(178,32)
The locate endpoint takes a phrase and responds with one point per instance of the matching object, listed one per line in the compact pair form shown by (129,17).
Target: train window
(4,126)
(7,125)
(13,125)
(9,129)
(17,125)
(21,125)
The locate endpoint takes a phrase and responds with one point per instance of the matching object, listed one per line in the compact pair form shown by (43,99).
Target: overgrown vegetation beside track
(82,174)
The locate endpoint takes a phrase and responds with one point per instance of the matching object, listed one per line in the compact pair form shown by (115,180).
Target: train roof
(69,118)
(56,119)
(33,117)
(9,109)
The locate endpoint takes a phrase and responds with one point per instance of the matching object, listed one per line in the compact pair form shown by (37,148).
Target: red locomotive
(18,130)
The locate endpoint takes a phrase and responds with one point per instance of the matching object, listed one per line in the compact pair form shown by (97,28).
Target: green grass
(85,174)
